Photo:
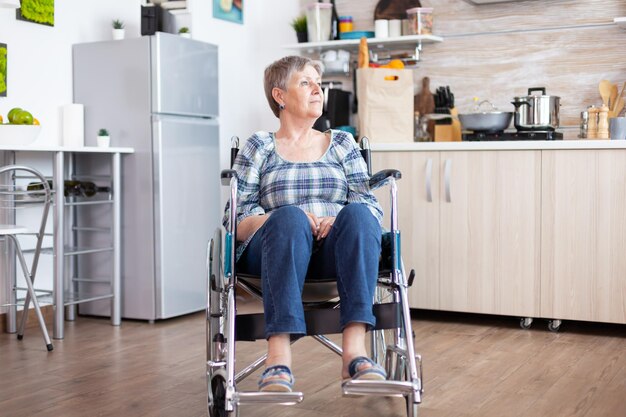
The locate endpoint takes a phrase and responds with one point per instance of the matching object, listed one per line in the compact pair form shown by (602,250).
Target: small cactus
(103,132)
(118,24)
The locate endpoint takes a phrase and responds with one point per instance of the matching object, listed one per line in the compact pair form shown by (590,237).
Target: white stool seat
(11,229)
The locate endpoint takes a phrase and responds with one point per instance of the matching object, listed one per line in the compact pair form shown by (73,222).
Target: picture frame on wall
(231,10)
(36,11)
(3,69)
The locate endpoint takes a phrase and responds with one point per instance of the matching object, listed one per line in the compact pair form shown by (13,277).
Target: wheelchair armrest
(226,175)
(377,179)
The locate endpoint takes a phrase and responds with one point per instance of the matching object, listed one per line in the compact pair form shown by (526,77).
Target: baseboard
(46,311)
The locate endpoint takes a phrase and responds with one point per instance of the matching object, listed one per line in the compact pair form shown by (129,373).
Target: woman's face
(304,96)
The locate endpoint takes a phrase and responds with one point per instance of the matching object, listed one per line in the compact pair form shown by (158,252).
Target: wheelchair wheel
(217,398)
(388,342)
(215,328)
(215,302)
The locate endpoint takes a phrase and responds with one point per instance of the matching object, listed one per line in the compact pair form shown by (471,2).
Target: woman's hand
(314,221)
(325,224)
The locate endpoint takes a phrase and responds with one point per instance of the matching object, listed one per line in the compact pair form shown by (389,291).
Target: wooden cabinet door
(490,232)
(583,267)
(418,219)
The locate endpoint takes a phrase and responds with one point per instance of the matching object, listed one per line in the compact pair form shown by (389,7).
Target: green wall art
(3,69)
(36,11)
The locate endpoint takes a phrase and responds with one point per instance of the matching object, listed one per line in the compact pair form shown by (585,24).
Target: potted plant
(118,29)
(299,25)
(184,32)
(104,140)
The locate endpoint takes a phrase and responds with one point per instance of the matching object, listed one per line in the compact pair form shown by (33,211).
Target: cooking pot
(486,121)
(536,112)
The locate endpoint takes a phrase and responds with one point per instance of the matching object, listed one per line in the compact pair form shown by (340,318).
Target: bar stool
(13,197)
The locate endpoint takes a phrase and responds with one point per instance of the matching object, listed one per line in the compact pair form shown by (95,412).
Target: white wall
(40,63)
(40,57)
(245,51)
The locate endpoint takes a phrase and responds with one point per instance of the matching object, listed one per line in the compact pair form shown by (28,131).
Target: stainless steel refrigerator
(159,95)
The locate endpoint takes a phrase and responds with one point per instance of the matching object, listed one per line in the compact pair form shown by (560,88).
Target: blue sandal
(272,379)
(374,372)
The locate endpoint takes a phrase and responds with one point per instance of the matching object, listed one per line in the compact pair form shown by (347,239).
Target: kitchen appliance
(159,95)
(149,19)
(519,135)
(536,112)
(336,108)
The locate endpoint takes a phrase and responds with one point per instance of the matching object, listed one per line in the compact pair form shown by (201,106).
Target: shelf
(88,203)
(409,42)
(620,21)
(75,298)
(71,251)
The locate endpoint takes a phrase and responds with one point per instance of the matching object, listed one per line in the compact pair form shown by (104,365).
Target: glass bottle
(73,188)
(421,128)
(334,23)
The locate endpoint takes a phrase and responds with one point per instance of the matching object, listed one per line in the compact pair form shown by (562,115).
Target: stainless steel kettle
(536,112)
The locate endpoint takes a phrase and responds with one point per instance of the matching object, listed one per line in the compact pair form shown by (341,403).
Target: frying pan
(486,121)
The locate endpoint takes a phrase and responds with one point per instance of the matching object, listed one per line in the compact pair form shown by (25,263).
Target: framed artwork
(3,69)
(36,11)
(231,10)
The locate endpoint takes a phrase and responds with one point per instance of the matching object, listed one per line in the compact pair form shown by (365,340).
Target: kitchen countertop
(498,145)
(57,148)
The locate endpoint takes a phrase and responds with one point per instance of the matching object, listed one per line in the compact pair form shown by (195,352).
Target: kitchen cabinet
(489,232)
(470,222)
(583,240)
(418,218)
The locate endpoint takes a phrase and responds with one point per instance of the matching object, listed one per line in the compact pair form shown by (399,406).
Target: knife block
(456,125)
(451,132)
(443,133)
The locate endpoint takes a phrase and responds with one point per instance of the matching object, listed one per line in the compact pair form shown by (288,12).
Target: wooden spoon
(605,87)
(613,96)
(619,106)
(619,102)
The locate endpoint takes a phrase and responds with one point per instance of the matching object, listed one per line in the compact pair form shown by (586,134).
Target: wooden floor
(473,366)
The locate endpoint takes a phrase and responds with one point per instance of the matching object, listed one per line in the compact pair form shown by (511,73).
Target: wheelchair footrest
(382,388)
(284,398)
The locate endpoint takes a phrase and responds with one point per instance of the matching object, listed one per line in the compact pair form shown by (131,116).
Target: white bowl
(18,134)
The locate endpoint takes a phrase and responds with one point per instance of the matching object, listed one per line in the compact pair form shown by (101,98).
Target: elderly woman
(305,209)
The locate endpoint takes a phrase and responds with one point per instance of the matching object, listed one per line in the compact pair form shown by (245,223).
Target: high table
(58,176)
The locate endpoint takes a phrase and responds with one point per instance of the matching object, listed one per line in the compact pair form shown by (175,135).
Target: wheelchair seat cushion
(277,378)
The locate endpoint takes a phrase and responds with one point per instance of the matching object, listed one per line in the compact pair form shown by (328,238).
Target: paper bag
(385,104)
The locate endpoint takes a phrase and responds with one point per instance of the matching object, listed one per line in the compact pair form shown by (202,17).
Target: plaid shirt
(266,181)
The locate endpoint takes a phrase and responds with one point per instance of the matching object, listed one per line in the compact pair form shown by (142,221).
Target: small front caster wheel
(217,398)
(525,323)
(554,325)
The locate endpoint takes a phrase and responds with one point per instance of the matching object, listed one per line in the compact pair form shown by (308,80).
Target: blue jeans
(283,252)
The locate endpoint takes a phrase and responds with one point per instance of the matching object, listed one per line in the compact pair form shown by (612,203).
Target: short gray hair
(278,73)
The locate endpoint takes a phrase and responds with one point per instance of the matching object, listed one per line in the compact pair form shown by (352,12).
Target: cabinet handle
(429,176)
(447,171)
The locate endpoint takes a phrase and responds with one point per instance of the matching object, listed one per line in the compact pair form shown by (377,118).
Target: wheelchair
(392,344)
